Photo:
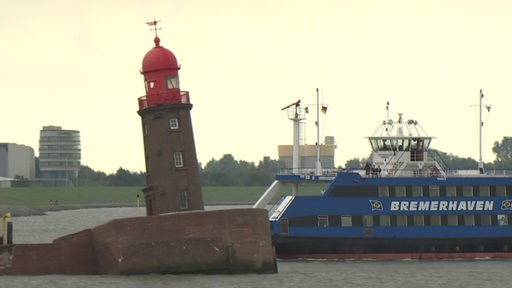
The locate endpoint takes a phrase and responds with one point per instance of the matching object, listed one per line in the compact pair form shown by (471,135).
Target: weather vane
(154,23)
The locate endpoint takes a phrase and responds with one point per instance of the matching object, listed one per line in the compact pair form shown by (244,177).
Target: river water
(305,273)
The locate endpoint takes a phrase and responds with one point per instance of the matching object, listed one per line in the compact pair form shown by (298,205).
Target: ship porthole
(433,248)
(457,248)
(505,247)
(481,248)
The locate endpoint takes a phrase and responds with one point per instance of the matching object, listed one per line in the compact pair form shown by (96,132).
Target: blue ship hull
(383,218)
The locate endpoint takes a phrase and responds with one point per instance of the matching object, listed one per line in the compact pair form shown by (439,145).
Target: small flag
(153,23)
(324,109)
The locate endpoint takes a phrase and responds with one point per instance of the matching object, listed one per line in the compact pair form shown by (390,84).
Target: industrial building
(308,155)
(16,160)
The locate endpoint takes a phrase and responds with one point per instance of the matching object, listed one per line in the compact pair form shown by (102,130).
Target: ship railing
(309,171)
(437,158)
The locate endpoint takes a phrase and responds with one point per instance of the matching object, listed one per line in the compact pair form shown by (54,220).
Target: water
(343,273)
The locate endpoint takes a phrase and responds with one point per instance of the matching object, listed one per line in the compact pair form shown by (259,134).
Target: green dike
(106,195)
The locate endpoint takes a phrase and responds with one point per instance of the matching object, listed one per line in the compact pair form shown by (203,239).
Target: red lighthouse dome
(161,79)
(159,58)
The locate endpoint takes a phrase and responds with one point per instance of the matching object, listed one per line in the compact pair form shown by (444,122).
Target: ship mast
(318,165)
(480,161)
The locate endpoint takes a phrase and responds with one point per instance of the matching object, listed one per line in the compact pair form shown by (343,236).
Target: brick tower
(171,163)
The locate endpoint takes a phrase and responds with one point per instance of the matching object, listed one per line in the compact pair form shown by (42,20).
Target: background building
(308,155)
(16,160)
(59,156)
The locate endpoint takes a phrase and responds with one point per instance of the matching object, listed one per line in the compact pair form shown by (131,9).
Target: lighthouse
(171,163)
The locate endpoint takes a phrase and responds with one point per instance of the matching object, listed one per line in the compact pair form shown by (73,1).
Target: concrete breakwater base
(218,241)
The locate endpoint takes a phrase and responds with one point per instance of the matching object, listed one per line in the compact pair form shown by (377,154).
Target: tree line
(227,171)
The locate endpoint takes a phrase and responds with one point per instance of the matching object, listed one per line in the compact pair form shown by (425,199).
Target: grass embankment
(107,195)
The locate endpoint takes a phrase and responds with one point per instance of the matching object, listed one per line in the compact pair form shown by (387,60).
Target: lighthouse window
(173,82)
(183,199)
(174,124)
(178,159)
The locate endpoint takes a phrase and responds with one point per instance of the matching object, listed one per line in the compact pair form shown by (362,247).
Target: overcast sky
(76,64)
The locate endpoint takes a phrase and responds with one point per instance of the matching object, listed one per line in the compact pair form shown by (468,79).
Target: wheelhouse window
(174,123)
(173,82)
(178,159)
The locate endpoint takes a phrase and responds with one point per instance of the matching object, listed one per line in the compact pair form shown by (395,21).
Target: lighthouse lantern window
(149,85)
(173,82)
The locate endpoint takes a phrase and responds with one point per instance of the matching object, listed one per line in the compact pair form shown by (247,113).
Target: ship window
(485,220)
(367,220)
(501,190)
(173,82)
(323,220)
(452,220)
(178,159)
(383,191)
(417,191)
(467,191)
(346,221)
(433,191)
(451,191)
(183,199)
(469,220)
(401,220)
(502,220)
(174,124)
(484,191)
(419,220)
(384,220)
(145,128)
(435,220)
(399,191)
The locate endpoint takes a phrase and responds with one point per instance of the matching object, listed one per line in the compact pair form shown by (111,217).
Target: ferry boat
(405,205)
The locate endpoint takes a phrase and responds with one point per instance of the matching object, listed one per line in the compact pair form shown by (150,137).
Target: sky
(75,64)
